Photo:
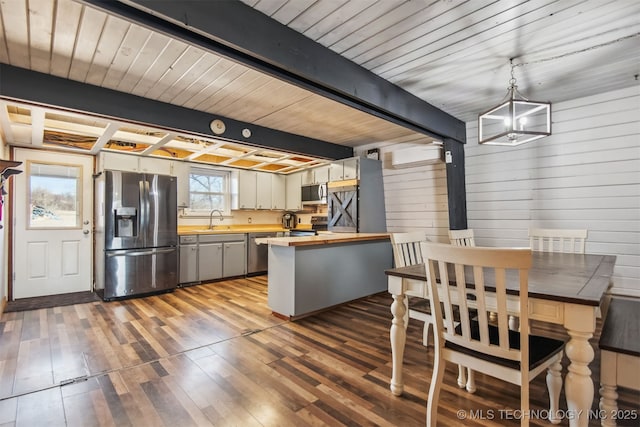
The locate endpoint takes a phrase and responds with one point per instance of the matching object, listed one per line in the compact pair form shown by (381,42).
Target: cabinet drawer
(218,238)
(188,240)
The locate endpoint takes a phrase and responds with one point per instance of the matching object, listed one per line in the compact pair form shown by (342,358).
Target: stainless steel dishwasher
(258,255)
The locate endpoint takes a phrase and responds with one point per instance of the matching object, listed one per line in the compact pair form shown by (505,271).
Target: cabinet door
(188,263)
(321,175)
(336,171)
(307,177)
(209,261)
(235,261)
(247,189)
(350,168)
(278,192)
(156,166)
(181,172)
(294,195)
(119,162)
(263,190)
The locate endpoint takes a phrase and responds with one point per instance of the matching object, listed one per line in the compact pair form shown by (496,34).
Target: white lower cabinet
(212,256)
(234,259)
(188,259)
(209,261)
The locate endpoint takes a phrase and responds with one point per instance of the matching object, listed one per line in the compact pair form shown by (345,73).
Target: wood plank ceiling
(454,54)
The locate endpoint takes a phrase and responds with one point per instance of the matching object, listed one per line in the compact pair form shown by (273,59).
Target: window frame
(226,193)
(78,201)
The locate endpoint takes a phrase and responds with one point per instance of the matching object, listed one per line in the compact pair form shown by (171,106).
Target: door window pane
(55,195)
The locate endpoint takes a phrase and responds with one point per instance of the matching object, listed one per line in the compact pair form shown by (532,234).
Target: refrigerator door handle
(147,210)
(143,210)
(129,252)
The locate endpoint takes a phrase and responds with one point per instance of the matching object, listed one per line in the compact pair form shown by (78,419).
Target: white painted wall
(415,198)
(585,175)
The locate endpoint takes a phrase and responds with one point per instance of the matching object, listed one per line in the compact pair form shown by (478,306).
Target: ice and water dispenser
(126,222)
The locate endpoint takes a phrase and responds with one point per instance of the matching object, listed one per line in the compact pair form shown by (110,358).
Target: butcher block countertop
(323,239)
(230,229)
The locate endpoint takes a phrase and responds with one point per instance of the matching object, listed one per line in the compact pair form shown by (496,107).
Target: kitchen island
(313,273)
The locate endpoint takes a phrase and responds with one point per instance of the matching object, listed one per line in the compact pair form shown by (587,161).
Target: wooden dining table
(564,289)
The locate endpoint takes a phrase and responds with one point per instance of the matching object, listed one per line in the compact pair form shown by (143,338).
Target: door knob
(85,231)
(86,222)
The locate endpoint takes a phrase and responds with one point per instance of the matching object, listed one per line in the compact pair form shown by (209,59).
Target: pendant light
(516,120)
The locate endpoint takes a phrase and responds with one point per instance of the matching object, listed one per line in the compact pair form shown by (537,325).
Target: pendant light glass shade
(515,121)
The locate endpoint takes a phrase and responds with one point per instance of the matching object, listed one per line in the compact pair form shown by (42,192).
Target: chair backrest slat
(557,240)
(472,278)
(464,307)
(462,237)
(406,248)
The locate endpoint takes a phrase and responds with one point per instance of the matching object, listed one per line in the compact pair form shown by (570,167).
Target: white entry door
(53,211)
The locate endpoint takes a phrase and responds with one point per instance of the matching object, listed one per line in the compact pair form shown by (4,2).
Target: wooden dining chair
(462,237)
(470,279)
(465,238)
(406,251)
(557,240)
(561,241)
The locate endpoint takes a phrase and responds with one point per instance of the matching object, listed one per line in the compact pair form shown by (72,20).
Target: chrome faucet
(211,217)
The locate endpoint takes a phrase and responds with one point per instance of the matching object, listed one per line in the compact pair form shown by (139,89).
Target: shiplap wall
(415,198)
(585,175)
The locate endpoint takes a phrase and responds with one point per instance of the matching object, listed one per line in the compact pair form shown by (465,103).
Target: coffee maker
(288,220)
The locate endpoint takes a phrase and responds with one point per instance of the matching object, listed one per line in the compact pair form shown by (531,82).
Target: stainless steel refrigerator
(140,233)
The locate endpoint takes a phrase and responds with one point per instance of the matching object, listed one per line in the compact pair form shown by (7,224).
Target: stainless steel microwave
(315,194)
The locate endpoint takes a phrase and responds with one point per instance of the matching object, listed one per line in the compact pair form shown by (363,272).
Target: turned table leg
(398,335)
(608,395)
(579,389)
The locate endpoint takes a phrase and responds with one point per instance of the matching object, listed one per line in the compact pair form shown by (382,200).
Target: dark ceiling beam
(30,86)
(232,29)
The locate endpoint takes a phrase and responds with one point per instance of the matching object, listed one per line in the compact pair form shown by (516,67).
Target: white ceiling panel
(453,54)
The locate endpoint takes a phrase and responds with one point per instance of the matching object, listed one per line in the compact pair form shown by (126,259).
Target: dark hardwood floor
(214,355)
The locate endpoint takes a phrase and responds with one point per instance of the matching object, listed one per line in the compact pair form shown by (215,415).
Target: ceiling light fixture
(516,120)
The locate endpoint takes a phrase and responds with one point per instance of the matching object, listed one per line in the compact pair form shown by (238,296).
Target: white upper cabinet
(181,171)
(307,177)
(294,195)
(155,166)
(247,191)
(134,163)
(263,190)
(350,168)
(319,175)
(341,170)
(278,192)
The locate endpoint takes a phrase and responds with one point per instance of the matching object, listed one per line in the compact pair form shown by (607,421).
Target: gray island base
(310,274)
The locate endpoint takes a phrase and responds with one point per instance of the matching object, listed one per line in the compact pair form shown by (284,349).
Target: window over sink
(209,189)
